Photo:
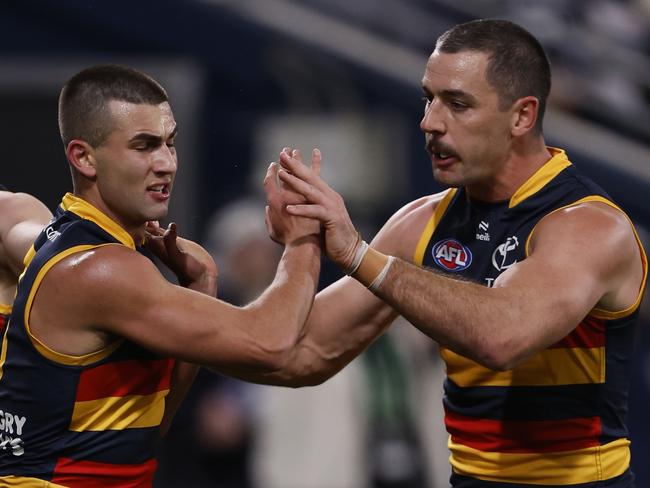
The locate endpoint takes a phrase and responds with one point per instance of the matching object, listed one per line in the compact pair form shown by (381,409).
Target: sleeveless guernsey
(558,419)
(76,421)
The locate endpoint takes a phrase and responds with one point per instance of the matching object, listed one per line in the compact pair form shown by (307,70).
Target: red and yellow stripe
(121,395)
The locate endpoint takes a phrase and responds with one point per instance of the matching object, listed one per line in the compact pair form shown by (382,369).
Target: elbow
(500,354)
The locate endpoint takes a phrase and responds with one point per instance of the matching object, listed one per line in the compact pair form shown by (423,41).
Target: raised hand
(282,226)
(323,203)
(192,265)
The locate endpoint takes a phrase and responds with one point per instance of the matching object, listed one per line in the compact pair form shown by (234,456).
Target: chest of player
(479,241)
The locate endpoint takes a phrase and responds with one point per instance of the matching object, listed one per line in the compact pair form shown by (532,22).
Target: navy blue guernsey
(76,421)
(558,419)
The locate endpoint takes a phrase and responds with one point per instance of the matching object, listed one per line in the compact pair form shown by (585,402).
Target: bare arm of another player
(532,305)
(23,217)
(92,297)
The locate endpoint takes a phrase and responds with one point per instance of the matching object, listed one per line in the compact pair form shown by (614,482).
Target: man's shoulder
(403,230)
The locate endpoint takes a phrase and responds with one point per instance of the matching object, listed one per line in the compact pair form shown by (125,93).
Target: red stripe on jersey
(3,322)
(124,378)
(90,474)
(523,436)
(589,333)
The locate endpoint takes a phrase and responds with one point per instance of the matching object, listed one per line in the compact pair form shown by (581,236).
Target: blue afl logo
(451,255)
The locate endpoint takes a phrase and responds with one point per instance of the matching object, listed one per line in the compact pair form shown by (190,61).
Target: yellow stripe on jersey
(24,482)
(541,177)
(3,351)
(554,468)
(418,256)
(5,309)
(119,413)
(43,349)
(560,366)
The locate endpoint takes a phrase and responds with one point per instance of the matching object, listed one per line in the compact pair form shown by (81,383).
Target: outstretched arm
(92,297)
(532,305)
(346,317)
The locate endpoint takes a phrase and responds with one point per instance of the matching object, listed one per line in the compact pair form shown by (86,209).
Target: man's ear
(524,115)
(81,157)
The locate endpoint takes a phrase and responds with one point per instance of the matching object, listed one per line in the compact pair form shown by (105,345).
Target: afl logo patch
(451,255)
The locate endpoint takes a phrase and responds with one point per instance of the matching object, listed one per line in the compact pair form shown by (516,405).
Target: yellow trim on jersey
(3,351)
(418,256)
(29,255)
(549,468)
(5,309)
(119,413)
(85,210)
(550,367)
(25,482)
(542,176)
(44,350)
(599,312)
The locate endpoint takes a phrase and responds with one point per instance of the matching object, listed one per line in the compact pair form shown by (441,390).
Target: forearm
(278,316)
(473,320)
(344,320)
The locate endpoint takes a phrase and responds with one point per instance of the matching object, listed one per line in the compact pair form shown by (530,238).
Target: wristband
(374,286)
(371,266)
(359,254)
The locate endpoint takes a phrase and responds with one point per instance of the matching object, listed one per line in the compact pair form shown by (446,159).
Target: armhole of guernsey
(598,312)
(425,237)
(46,351)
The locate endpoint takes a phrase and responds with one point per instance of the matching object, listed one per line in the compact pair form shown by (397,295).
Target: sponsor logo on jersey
(482,233)
(52,234)
(451,255)
(504,255)
(11,428)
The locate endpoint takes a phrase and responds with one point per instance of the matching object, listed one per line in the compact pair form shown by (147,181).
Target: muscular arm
(346,317)
(113,291)
(580,257)
(534,303)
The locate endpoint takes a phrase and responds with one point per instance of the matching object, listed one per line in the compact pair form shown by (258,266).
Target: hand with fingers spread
(192,265)
(323,203)
(284,227)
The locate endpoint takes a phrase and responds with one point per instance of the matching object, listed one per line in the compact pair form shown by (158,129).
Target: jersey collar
(85,210)
(542,176)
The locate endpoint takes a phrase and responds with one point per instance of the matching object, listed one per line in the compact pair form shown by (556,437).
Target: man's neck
(524,161)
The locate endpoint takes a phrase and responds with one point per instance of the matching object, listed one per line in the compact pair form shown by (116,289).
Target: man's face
(137,162)
(466,134)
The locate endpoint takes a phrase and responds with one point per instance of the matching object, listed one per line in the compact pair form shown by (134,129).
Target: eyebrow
(452,94)
(147,137)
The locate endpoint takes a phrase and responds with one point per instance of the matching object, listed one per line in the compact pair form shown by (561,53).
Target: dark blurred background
(247,77)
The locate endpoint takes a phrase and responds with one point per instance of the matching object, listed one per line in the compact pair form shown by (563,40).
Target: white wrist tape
(361,251)
(374,286)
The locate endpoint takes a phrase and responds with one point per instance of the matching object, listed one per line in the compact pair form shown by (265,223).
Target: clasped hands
(300,199)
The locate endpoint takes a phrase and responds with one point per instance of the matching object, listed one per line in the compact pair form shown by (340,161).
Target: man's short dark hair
(517,67)
(83,103)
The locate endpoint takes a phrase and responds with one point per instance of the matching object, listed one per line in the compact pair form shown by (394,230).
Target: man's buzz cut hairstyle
(517,67)
(84,99)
